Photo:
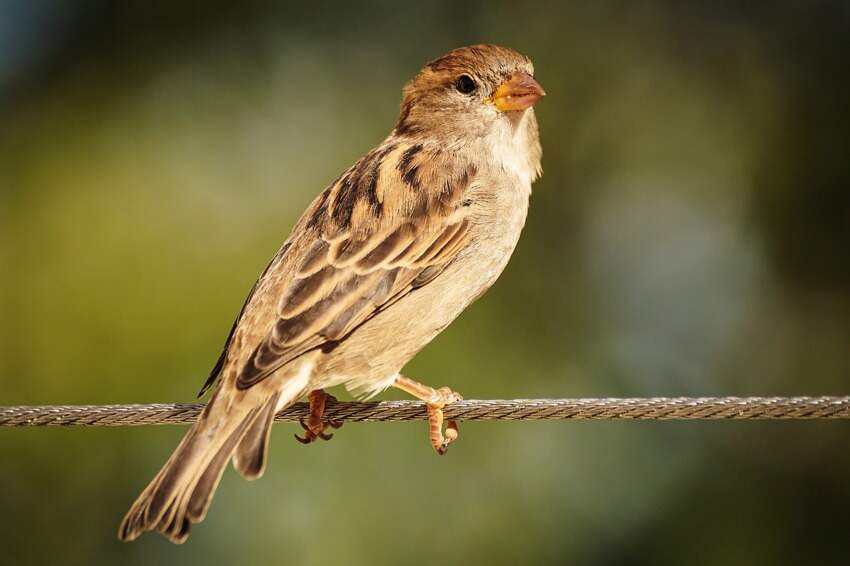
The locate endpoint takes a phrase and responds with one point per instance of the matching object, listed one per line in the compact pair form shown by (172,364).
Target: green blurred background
(690,236)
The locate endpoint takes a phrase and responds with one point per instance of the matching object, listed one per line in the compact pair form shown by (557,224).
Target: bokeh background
(690,236)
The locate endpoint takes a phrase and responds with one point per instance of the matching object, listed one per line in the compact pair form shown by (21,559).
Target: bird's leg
(315,427)
(435,400)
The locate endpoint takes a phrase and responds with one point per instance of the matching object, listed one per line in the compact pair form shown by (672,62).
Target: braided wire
(654,408)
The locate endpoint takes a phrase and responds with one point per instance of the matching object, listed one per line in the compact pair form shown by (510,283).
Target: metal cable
(655,408)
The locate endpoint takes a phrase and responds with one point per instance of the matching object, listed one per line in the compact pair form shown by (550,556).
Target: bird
(385,258)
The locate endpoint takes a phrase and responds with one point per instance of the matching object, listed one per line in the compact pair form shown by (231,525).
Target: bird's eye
(465,84)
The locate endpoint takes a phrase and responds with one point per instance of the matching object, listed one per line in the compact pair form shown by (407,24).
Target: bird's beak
(519,92)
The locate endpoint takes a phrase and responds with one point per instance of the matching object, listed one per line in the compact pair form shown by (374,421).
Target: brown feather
(180,493)
(252,452)
(349,269)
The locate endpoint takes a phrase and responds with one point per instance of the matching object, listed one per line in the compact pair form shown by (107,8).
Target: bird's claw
(306,440)
(440,440)
(314,427)
(435,401)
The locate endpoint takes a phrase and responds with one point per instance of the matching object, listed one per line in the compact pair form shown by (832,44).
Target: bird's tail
(181,492)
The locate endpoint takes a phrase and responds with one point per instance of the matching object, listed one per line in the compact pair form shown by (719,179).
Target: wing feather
(354,264)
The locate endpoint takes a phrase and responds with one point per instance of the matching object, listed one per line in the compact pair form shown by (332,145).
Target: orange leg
(315,427)
(435,400)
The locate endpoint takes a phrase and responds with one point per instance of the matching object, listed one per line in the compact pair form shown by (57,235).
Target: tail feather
(199,501)
(180,494)
(234,424)
(189,505)
(252,452)
(140,517)
(159,502)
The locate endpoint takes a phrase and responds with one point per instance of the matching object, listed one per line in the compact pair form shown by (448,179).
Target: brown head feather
(431,102)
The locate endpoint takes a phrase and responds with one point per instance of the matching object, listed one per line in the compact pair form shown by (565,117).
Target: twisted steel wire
(654,408)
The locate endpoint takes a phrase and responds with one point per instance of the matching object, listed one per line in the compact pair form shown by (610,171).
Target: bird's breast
(499,210)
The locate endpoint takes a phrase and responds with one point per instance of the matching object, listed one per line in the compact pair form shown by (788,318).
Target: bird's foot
(435,400)
(314,426)
(440,440)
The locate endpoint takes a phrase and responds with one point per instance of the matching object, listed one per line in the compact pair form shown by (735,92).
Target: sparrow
(382,260)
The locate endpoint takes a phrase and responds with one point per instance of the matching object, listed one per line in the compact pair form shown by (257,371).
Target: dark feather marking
(287,329)
(372,190)
(319,213)
(439,243)
(330,346)
(456,242)
(336,329)
(361,181)
(407,157)
(402,255)
(249,373)
(346,198)
(293,337)
(427,275)
(270,355)
(405,166)
(374,174)
(383,250)
(290,331)
(302,291)
(348,250)
(385,286)
(341,326)
(421,207)
(410,177)
(315,259)
(265,356)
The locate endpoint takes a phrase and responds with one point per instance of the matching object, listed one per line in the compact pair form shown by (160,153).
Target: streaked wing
(374,236)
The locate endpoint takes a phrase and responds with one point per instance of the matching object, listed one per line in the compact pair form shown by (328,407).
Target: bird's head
(469,92)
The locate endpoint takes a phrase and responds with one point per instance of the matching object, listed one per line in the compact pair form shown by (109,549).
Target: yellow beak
(519,92)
